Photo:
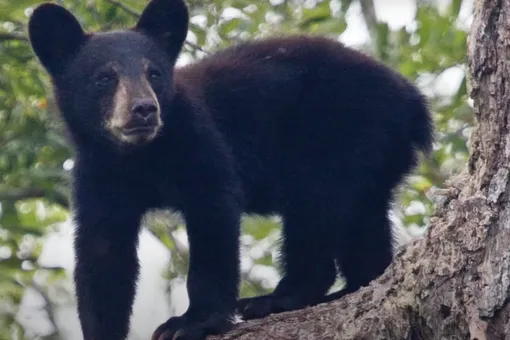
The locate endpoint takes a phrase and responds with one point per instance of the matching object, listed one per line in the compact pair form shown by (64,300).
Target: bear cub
(297,126)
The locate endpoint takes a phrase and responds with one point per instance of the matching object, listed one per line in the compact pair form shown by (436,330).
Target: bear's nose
(144,108)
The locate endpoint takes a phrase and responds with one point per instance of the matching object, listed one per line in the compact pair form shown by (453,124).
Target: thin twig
(136,15)
(125,8)
(195,47)
(48,307)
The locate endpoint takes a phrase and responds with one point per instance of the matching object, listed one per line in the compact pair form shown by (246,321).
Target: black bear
(298,126)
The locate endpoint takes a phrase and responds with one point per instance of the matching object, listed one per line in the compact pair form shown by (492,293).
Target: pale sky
(397,13)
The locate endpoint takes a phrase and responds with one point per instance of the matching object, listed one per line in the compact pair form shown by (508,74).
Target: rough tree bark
(455,282)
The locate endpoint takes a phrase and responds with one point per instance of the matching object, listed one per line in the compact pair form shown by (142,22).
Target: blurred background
(424,40)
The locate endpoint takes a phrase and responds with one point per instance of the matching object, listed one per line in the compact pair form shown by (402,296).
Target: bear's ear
(55,35)
(166,21)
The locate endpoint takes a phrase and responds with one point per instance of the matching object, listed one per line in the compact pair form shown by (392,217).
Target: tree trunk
(455,282)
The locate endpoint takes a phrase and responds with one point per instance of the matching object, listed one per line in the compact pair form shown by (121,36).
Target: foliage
(35,157)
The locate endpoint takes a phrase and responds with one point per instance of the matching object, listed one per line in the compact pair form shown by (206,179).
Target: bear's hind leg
(366,249)
(308,261)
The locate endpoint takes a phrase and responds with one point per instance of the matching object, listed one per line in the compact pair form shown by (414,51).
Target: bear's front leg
(213,232)
(107,223)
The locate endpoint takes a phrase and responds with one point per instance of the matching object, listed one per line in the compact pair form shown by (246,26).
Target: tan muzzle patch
(123,117)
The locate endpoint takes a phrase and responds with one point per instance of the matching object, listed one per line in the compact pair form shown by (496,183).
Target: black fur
(299,126)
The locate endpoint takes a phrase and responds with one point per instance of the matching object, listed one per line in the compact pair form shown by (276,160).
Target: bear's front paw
(189,328)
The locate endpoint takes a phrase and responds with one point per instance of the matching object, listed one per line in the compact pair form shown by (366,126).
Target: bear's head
(111,86)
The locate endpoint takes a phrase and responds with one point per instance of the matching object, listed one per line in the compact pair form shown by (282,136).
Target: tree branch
(372,23)
(370,17)
(12,36)
(430,291)
(21,194)
(24,194)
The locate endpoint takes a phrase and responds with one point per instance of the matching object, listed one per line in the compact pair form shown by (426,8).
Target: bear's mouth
(139,130)
(135,134)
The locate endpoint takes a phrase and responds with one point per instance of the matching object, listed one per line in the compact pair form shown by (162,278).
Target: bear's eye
(104,79)
(154,74)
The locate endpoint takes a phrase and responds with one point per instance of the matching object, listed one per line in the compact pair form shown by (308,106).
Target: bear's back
(278,98)
(270,79)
